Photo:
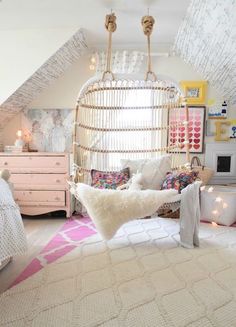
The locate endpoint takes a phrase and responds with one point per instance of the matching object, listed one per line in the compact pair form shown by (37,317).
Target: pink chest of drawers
(40,181)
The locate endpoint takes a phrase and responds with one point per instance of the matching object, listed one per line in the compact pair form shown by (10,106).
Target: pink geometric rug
(69,236)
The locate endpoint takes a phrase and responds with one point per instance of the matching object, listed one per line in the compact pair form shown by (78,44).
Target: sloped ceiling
(207,40)
(52,69)
(28,15)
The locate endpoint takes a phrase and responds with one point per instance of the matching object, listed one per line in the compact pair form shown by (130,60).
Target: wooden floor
(39,231)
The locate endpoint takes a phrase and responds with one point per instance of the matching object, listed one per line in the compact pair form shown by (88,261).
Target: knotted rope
(147,23)
(110,25)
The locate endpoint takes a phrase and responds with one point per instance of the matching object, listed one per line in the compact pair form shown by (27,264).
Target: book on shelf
(13,148)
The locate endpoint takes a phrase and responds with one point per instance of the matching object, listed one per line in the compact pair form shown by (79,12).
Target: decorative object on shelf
(204,173)
(13,148)
(206,41)
(221,133)
(224,109)
(48,130)
(19,141)
(223,130)
(232,133)
(194,92)
(218,112)
(196,129)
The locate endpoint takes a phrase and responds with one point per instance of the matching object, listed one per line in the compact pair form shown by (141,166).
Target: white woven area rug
(141,278)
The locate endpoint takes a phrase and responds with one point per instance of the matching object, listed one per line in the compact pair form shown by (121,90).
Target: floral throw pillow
(111,180)
(179,181)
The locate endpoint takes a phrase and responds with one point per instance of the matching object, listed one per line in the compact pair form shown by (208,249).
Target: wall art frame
(48,130)
(194,92)
(197,116)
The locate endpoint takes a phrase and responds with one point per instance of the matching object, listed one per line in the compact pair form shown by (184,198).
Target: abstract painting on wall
(196,128)
(48,130)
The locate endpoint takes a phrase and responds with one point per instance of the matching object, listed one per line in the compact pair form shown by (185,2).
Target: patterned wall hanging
(196,128)
(48,130)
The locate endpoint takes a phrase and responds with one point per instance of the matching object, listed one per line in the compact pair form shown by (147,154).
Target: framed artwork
(194,92)
(196,128)
(48,130)
(218,111)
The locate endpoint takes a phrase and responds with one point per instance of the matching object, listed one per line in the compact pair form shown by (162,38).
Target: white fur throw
(109,209)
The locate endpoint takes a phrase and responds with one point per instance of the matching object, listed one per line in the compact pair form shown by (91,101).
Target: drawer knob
(58,163)
(5,163)
(57,198)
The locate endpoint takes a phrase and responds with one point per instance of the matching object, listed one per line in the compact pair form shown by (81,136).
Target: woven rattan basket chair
(109,120)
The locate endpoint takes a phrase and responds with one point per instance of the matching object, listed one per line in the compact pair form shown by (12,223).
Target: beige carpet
(141,278)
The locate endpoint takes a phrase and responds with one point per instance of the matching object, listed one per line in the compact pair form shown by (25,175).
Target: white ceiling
(89,14)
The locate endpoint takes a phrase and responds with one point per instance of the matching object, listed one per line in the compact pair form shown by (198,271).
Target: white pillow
(153,170)
(213,210)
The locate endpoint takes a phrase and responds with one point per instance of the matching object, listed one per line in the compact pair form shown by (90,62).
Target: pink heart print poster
(177,130)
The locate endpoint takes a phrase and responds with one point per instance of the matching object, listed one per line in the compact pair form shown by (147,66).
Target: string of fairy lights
(218,205)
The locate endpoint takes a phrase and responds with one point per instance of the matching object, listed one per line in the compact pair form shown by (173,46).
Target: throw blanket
(12,234)
(109,209)
(190,215)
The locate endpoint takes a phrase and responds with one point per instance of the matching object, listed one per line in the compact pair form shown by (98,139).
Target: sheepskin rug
(110,209)
(139,278)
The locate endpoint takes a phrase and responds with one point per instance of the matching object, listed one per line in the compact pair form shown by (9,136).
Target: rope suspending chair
(125,117)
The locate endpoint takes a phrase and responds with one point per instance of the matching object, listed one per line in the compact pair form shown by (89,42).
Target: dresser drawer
(44,198)
(34,164)
(40,181)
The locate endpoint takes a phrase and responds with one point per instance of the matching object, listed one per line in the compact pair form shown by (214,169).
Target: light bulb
(93,60)
(218,199)
(19,133)
(210,189)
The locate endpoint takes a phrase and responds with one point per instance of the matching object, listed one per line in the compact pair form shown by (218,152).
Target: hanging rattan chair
(121,117)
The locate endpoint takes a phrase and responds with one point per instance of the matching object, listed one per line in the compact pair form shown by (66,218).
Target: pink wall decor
(196,128)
